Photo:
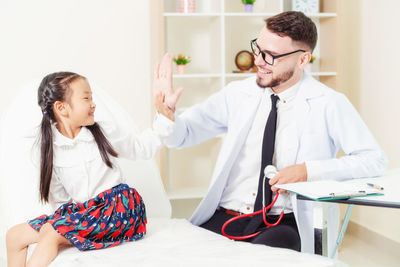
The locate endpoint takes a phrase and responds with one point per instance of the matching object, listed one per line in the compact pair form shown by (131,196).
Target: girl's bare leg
(18,239)
(49,242)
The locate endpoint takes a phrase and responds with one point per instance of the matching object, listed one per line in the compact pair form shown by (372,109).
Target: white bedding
(176,242)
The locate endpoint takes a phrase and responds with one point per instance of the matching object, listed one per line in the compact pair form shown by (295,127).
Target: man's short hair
(296,25)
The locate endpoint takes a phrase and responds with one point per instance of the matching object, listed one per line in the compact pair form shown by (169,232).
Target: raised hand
(163,82)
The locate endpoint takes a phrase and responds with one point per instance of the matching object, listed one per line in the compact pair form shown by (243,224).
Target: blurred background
(116,44)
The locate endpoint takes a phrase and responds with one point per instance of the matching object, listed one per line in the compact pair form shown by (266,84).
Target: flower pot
(181,69)
(248,8)
(187,6)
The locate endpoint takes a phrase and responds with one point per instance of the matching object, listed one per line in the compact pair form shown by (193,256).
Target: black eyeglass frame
(273,57)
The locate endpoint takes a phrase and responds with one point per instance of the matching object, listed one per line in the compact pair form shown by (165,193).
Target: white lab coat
(324,121)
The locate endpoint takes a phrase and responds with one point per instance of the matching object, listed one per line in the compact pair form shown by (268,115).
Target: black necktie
(268,146)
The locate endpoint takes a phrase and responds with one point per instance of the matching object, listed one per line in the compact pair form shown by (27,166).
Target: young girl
(79,175)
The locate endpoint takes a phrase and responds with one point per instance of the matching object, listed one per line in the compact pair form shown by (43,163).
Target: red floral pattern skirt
(114,216)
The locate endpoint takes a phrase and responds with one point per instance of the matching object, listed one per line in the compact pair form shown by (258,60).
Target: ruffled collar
(84,135)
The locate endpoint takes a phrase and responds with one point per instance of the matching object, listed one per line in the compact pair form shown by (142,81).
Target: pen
(375,186)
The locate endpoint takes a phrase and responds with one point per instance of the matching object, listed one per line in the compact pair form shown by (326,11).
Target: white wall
(371,48)
(379,68)
(106,41)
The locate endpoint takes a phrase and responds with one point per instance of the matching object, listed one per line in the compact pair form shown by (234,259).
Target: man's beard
(277,81)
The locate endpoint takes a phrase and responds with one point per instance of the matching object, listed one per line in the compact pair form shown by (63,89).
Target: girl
(79,175)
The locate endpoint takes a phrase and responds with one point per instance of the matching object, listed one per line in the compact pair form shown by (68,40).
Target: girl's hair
(55,87)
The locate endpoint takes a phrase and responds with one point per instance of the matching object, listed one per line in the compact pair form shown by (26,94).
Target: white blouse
(79,172)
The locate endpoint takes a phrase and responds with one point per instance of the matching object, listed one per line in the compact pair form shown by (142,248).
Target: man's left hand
(292,174)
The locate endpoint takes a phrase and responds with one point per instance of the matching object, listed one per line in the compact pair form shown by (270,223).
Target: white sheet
(176,242)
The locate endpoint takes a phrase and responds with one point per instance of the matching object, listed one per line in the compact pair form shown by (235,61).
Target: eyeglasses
(268,58)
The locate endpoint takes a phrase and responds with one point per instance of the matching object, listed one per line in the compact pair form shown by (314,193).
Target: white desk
(391,199)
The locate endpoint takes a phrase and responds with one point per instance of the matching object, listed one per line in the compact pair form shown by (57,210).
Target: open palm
(163,82)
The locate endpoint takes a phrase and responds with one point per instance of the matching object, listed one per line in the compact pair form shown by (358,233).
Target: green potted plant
(248,5)
(181,62)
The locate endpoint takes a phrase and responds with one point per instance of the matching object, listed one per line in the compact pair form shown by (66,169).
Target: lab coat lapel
(233,143)
(308,89)
(245,121)
(240,129)
(300,115)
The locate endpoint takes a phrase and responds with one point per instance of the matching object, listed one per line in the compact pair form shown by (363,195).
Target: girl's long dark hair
(55,87)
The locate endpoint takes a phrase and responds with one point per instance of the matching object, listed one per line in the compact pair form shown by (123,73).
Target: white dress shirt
(241,190)
(79,172)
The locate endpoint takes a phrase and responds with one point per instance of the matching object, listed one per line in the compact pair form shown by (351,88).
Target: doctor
(312,123)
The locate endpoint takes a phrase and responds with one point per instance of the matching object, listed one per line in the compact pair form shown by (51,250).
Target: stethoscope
(269,172)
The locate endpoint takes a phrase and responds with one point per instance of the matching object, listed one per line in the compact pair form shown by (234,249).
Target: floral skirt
(114,216)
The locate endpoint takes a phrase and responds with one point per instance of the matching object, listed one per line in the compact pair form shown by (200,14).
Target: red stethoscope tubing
(263,211)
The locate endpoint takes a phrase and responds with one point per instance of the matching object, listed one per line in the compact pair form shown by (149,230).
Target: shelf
(322,15)
(241,75)
(255,14)
(242,14)
(238,75)
(198,75)
(213,36)
(187,193)
(194,14)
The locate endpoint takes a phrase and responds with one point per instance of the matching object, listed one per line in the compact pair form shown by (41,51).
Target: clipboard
(329,190)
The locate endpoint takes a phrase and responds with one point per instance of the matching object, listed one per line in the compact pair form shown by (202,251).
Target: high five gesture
(163,88)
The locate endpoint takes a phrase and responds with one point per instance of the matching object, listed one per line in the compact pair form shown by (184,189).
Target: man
(282,117)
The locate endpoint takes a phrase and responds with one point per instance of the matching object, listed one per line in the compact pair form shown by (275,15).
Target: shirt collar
(287,95)
(84,135)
